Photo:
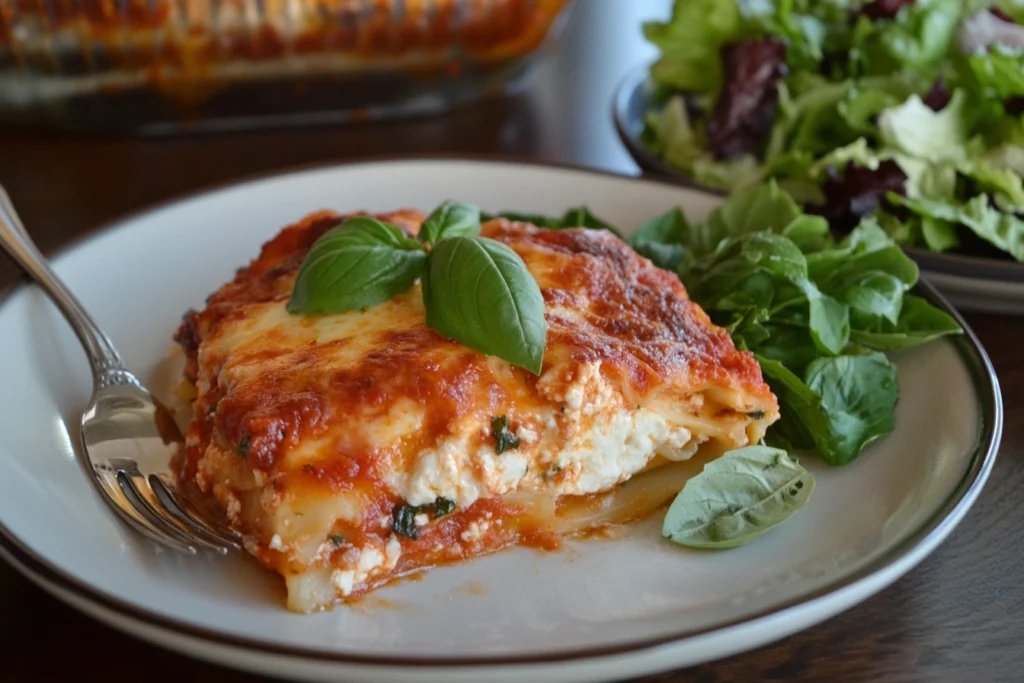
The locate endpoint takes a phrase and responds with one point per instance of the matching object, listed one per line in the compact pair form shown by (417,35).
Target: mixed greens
(910,111)
(818,314)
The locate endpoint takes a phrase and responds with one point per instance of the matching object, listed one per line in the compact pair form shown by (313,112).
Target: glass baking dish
(156,66)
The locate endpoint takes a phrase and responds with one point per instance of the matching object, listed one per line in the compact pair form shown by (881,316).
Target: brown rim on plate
(37,568)
(632,101)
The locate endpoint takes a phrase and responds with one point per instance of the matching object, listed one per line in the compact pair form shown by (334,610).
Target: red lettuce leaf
(857,192)
(883,9)
(745,110)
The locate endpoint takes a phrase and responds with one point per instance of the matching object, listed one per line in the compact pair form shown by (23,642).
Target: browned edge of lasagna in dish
(354,448)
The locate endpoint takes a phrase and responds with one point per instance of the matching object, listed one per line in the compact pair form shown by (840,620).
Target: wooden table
(958,616)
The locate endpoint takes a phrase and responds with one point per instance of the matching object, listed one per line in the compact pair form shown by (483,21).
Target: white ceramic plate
(971,283)
(599,610)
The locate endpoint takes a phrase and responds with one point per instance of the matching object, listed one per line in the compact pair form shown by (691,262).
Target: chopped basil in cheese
(404,516)
(503,438)
(443,506)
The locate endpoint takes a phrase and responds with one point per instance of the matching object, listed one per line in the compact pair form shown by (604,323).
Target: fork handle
(107,366)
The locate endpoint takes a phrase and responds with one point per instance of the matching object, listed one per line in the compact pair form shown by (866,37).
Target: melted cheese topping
(311,431)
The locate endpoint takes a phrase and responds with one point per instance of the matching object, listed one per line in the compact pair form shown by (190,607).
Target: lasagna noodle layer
(317,434)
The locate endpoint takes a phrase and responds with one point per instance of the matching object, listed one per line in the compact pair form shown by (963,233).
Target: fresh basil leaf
(363,262)
(868,247)
(790,345)
(803,418)
(919,322)
(480,293)
(736,258)
(451,219)
(661,239)
(578,217)
(746,326)
(873,296)
(809,233)
(829,320)
(859,396)
(842,405)
(760,208)
(738,497)
(531,218)
(664,255)
(581,217)
(776,254)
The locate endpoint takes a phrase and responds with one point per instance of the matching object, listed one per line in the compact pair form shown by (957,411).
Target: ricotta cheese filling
(600,443)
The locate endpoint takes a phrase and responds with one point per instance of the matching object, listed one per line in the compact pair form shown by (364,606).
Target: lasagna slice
(352,449)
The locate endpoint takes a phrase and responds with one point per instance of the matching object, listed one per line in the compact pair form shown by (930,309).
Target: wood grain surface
(959,616)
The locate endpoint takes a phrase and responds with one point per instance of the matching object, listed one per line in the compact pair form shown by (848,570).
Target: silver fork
(128,436)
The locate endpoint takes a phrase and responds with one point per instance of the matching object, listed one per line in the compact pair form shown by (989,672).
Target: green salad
(908,111)
(819,314)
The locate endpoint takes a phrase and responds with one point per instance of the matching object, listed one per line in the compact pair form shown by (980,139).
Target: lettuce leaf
(1002,230)
(690,41)
(917,131)
(1009,157)
(661,239)
(678,143)
(999,72)
(1005,185)
(917,40)
(840,405)
(760,208)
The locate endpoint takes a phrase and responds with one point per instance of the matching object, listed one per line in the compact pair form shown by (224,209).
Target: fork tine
(142,506)
(172,502)
(138,490)
(127,511)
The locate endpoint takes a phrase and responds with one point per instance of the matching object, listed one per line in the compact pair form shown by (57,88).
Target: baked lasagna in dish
(355,448)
